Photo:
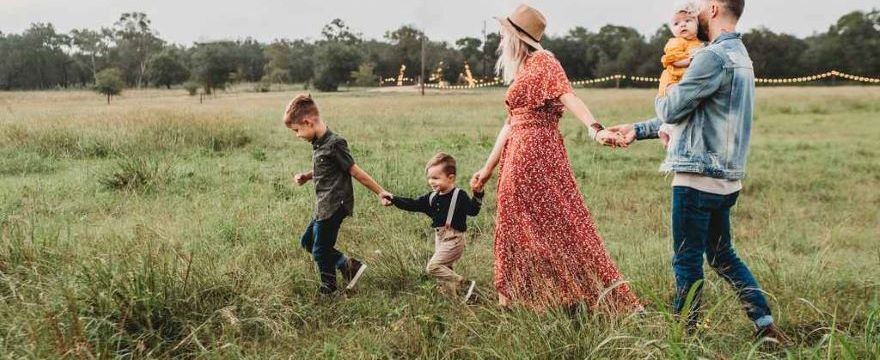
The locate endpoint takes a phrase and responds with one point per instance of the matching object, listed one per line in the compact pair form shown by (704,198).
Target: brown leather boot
(774,334)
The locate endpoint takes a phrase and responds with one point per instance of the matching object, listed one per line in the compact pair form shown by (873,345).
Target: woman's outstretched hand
(480,179)
(613,139)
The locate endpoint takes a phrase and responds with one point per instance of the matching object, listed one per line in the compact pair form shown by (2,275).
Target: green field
(161,227)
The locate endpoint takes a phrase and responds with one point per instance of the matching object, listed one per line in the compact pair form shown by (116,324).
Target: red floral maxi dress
(547,249)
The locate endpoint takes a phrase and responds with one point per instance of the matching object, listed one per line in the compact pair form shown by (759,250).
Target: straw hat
(527,24)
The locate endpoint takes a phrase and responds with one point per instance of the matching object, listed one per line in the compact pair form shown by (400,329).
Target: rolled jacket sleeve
(701,80)
(648,129)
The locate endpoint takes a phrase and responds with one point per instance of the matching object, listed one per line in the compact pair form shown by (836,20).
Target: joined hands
(624,134)
(385,198)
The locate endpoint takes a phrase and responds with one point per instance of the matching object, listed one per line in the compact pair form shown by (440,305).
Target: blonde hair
(511,53)
(444,159)
(690,8)
(299,108)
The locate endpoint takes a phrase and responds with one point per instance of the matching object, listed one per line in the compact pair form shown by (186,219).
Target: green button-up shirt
(331,161)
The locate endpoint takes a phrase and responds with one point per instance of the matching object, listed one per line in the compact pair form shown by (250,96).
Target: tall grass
(157,227)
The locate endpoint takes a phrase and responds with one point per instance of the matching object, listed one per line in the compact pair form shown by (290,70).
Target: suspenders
(452,203)
(451,210)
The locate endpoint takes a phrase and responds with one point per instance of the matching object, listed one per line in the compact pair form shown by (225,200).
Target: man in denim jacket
(714,104)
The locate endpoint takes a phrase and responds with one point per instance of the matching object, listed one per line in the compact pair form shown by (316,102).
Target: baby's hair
(444,159)
(299,108)
(689,7)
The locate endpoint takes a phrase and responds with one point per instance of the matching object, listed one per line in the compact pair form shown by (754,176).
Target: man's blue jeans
(320,240)
(701,225)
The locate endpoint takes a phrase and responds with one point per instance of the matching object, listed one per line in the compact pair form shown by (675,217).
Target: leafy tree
(250,60)
(406,43)
(471,50)
(452,60)
(851,45)
(618,47)
(40,58)
(490,52)
(167,68)
(277,68)
(337,31)
(775,55)
(336,57)
(575,52)
(92,45)
(213,64)
(109,82)
(301,63)
(335,62)
(656,45)
(8,51)
(35,59)
(381,54)
(136,42)
(364,76)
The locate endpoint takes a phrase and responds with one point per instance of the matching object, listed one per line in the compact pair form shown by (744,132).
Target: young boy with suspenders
(448,207)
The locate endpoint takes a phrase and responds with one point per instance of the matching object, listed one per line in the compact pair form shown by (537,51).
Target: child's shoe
(353,272)
(325,290)
(469,290)
(773,333)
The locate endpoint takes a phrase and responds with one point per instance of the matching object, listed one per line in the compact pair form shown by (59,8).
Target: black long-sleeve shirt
(438,209)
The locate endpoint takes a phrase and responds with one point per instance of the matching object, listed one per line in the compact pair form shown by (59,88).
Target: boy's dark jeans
(701,225)
(320,240)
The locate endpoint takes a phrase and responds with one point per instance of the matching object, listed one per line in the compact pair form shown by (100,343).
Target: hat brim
(525,38)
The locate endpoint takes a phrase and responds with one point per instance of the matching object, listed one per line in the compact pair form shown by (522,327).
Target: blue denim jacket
(714,103)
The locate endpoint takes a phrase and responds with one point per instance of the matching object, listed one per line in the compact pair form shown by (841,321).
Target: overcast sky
(185,21)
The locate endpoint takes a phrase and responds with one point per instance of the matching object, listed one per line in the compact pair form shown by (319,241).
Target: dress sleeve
(553,81)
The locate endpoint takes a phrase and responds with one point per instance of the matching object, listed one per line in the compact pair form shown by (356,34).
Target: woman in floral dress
(548,252)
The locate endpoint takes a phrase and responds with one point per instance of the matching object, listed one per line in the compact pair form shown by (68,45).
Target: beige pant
(448,248)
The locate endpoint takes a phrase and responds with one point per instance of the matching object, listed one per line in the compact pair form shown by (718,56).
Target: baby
(677,57)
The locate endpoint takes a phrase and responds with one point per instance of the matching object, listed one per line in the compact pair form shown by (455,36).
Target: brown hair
(299,108)
(444,159)
(735,7)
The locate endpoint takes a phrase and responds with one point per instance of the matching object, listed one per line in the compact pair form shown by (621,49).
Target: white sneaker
(358,270)
(470,291)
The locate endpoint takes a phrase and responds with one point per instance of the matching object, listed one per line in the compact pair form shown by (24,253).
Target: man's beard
(702,31)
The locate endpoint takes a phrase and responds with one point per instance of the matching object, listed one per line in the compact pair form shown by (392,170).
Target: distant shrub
(136,174)
(109,82)
(263,86)
(192,87)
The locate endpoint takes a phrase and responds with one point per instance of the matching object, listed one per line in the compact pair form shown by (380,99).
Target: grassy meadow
(160,227)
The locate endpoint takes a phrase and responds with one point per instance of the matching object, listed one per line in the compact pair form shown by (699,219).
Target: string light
(833,73)
(472,83)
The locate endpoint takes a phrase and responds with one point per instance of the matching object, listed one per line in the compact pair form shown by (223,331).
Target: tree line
(132,53)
